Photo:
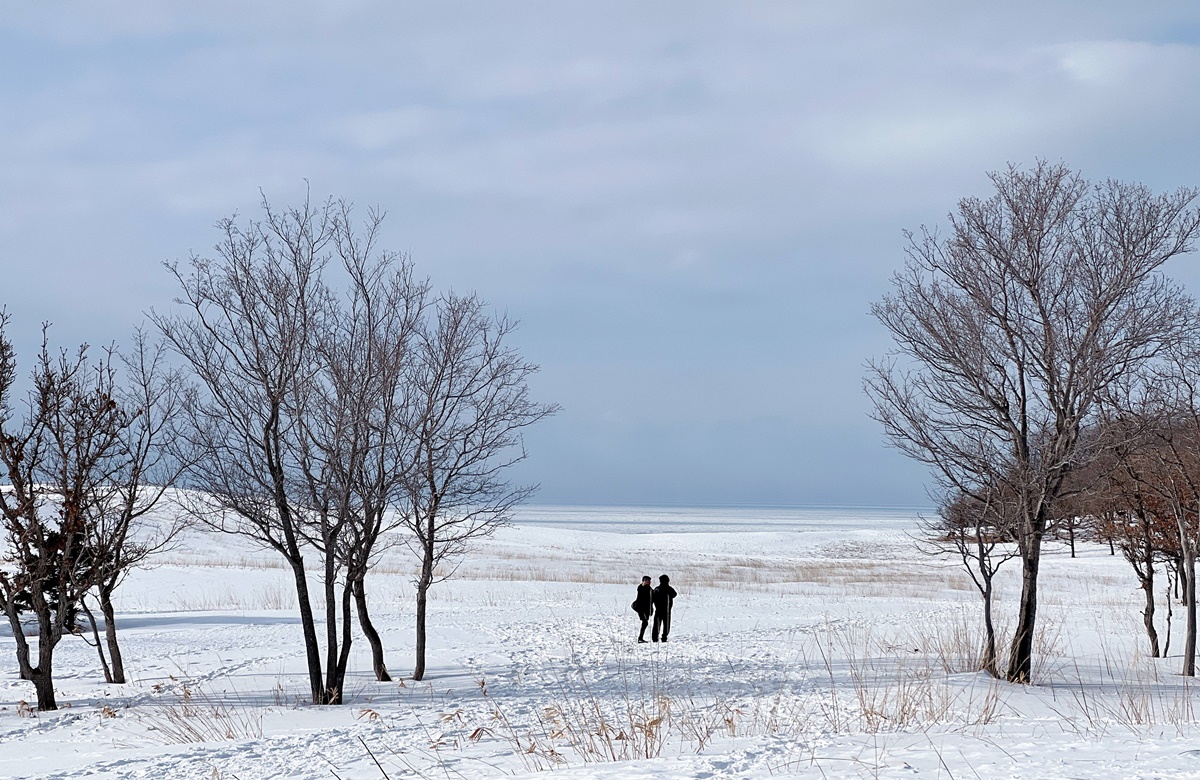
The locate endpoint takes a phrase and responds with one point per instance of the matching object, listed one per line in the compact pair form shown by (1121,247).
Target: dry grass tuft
(196,717)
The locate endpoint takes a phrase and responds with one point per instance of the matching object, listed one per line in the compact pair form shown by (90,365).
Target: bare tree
(1172,481)
(1144,541)
(979,534)
(1011,329)
(254,314)
(368,361)
(1070,522)
(59,462)
(469,404)
(1178,497)
(125,534)
(354,446)
(301,432)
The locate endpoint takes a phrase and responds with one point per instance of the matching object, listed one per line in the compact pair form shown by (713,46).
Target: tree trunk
(1071,536)
(24,659)
(309,628)
(1148,617)
(368,629)
(42,677)
(108,677)
(110,636)
(333,690)
(1020,662)
(989,651)
(336,680)
(1170,614)
(43,686)
(1182,579)
(422,602)
(1148,586)
(291,550)
(1189,591)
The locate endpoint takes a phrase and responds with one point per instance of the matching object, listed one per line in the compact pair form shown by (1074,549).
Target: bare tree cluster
(1150,501)
(1010,332)
(1126,507)
(331,419)
(331,423)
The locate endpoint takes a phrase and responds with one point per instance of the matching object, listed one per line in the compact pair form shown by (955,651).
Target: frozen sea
(669,519)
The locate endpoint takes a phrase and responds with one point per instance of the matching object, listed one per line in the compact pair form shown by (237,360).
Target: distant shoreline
(735,506)
(705,519)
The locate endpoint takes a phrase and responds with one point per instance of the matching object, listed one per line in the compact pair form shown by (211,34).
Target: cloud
(689,205)
(374,131)
(1127,64)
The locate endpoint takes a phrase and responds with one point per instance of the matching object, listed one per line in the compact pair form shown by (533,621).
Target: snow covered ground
(806,643)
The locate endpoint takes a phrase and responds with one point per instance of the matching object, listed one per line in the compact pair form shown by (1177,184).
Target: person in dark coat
(663,598)
(644,605)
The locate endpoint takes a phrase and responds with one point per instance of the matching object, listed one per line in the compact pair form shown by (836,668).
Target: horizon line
(715,505)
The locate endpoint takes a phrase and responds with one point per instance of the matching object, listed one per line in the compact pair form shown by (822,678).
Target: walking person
(644,606)
(663,597)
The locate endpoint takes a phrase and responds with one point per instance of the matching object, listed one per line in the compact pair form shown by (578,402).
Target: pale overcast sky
(689,205)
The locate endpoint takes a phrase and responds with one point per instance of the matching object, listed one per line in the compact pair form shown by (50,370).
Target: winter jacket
(644,604)
(663,597)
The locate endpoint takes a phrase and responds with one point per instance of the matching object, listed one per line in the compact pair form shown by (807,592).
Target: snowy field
(806,643)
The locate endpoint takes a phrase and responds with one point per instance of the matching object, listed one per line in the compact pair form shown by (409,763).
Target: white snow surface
(806,643)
